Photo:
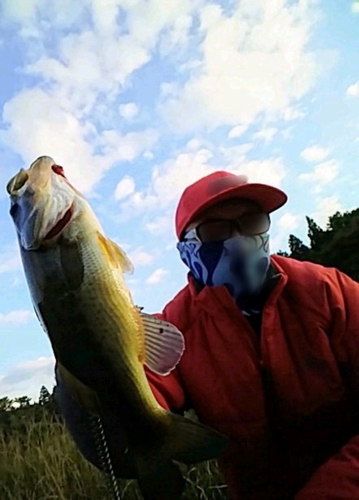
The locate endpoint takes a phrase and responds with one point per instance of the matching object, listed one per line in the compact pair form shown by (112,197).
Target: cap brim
(267,197)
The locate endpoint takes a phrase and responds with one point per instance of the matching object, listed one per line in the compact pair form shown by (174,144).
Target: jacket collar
(209,297)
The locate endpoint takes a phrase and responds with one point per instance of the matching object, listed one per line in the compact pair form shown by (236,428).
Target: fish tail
(188,442)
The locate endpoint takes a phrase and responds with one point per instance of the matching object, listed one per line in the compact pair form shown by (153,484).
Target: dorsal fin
(164,344)
(115,254)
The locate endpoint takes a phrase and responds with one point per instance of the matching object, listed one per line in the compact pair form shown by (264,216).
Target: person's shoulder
(179,309)
(303,271)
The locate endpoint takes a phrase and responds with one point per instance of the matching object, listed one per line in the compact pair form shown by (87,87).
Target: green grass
(43,463)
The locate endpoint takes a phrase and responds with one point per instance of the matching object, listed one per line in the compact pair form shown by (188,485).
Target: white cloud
(268,171)
(355,7)
(169,180)
(128,110)
(29,14)
(127,147)
(161,224)
(39,125)
(125,187)
(146,19)
(178,37)
(266,134)
(353,90)
(278,242)
(255,60)
(315,153)
(324,173)
(19,10)
(88,65)
(16,318)
(140,257)
(82,74)
(194,144)
(326,207)
(27,377)
(235,154)
(115,41)
(140,20)
(177,175)
(237,131)
(284,225)
(288,222)
(156,277)
(148,155)
(293,113)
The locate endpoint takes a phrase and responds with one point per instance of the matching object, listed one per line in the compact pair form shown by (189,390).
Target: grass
(43,463)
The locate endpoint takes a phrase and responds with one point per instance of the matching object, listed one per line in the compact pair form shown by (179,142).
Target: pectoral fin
(164,344)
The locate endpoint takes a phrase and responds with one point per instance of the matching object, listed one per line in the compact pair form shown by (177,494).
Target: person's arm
(338,478)
(166,389)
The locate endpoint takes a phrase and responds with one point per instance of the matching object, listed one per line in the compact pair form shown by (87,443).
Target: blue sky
(137,99)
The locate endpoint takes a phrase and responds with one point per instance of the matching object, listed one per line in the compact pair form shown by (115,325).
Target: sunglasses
(222,229)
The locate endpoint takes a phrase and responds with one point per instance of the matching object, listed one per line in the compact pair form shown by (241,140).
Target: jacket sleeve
(168,392)
(338,478)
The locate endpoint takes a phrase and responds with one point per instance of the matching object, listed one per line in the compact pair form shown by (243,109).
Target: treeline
(15,413)
(335,246)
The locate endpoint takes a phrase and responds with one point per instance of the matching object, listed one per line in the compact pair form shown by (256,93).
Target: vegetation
(39,460)
(335,246)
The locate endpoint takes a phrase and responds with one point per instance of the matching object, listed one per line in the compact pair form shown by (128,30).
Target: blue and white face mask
(240,263)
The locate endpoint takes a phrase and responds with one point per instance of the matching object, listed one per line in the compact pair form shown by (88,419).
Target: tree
(316,234)
(5,404)
(297,249)
(22,402)
(44,396)
(340,221)
(336,246)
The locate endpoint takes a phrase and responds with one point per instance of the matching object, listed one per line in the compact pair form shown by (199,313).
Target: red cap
(220,186)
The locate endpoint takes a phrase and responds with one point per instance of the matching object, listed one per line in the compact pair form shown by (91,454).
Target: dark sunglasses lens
(214,231)
(253,224)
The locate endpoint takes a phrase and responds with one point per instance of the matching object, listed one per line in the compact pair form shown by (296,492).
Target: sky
(137,99)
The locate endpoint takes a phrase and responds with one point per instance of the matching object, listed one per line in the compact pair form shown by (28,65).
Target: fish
(100,339)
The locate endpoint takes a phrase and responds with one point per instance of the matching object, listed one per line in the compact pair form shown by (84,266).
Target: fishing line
(104,456)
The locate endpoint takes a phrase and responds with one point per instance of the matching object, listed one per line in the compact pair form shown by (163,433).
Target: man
(272,352)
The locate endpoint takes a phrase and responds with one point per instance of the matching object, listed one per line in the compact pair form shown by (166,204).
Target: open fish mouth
(61,224)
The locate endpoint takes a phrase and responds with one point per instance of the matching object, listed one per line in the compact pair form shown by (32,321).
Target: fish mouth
(60,224)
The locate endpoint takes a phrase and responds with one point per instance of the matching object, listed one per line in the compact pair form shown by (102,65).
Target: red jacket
(287,399)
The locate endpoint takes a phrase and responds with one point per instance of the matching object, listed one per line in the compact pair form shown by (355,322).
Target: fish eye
(14,209)
(58,170)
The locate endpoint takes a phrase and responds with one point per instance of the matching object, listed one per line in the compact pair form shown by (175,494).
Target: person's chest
(234,377)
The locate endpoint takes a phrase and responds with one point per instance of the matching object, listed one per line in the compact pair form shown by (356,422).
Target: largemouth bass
(100,339)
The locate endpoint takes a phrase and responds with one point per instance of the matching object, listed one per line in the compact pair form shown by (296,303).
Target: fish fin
(85,396)
(186,441)
(159,481)
(164,344)
(115,254)
(192,442)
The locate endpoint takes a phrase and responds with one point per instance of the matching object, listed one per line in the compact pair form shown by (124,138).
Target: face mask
(240,263)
